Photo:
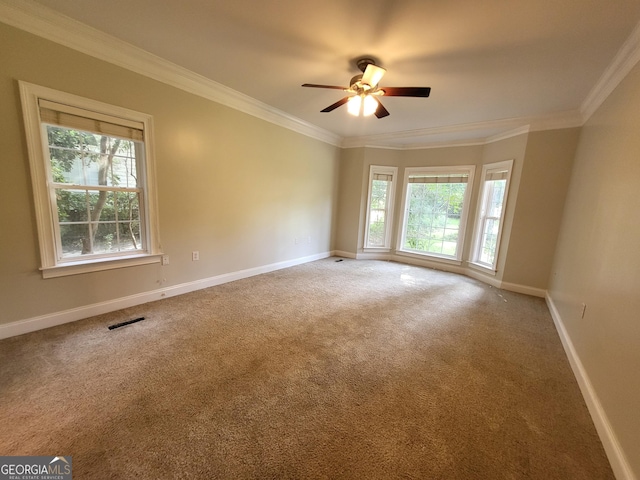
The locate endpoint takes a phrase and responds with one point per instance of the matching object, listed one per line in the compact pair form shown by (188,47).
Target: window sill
(376,249)
(429,257)
(96,265)
(483,268)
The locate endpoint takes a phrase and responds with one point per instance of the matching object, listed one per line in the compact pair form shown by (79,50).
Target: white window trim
(50,266)
(463,169)
(393,171)
(477,234)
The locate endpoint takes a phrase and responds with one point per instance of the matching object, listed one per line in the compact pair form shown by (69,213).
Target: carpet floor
(329,370)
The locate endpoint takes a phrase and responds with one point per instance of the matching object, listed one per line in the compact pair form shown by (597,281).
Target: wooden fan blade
(406,91)
(339,103)
(313,85)
(381,112)
(372,75)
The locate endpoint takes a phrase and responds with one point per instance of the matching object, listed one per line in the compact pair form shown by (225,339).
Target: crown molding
(556,121)
(509,127)
(626,58)
(407,139)
(470,142)
(46,23)
(511,133)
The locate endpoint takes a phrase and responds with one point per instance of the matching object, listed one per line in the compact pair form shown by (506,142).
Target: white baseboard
(383,256)
(615,454)
(514,287)
(340,253)
(58,318)
(483,277)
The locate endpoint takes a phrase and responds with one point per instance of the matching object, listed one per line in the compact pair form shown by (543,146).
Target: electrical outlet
(165,259)
(195,256)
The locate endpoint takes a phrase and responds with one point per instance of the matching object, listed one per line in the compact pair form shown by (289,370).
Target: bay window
(436,206)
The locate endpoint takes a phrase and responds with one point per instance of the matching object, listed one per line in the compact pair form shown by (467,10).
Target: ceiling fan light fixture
(372,75)
(369,105)
(354,104)
(362,104)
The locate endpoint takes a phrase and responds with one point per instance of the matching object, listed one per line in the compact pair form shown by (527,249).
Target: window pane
(72,140)
(85,158)
(128,205)
(128,214)
(123,168)
(376,228)
(494,200)
(106,237)
(489,241)
(496,187)
(73,237)
(114,225)
(379,194)
(129,235)
(72,205)
(433,217)
(378,213)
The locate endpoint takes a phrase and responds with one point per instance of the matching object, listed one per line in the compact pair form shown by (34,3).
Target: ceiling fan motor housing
(363,62)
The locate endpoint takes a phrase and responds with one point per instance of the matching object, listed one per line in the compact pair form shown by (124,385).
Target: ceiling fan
(364,91)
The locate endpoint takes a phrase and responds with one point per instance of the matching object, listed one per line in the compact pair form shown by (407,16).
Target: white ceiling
(487,62)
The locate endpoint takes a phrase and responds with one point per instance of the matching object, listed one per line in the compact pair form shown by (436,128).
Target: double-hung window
(380,207)
(490,217)
(93,182)
(436,206)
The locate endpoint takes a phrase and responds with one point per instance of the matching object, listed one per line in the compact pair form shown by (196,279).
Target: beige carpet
(336,370)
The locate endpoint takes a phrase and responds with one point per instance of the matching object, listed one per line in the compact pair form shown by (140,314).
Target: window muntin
(436,204)
(380,207)
(491,205)
(93,182)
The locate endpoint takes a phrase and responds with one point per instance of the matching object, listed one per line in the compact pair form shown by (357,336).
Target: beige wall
(350,193)
(542,184)
(237,189)
(597,261)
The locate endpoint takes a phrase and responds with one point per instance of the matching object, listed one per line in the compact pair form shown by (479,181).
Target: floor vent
(129,322)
